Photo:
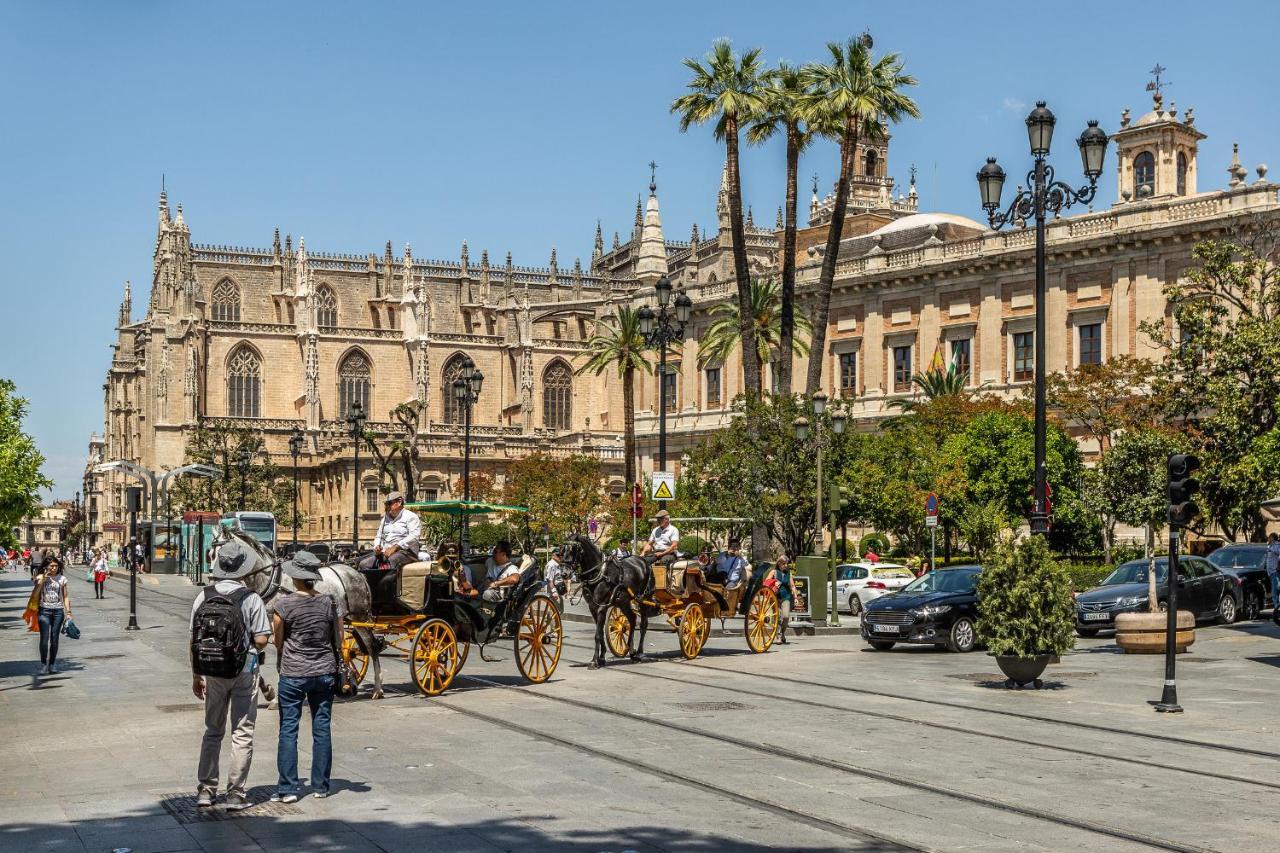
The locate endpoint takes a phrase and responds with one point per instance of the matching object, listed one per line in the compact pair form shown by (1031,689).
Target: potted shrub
(1026,616)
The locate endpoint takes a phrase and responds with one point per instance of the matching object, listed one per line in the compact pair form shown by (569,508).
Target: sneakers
(284,798)
(319,795)
(234,802)
(204,799)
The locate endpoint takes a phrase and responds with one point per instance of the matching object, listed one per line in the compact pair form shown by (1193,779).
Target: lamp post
(355,422)
(466,390)
(244,460)
(801,427)
(296,438)
(660,329)
(1044,195)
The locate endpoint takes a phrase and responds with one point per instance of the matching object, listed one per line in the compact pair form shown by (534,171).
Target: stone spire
(813,201)
(598,249)
(508,280)
(484,276)
(126,305)
(553,278)
(465,261)
(751,218)
(164,206)
(777,221)
(179,222)
(275,246)
(651,262)
(577,278)
(693,239)
(1236,170)
(616,242)
(722,200)
(639,224)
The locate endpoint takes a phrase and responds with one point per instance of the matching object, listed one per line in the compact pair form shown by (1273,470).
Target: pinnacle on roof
(598,248)
(777,222)
(651,257)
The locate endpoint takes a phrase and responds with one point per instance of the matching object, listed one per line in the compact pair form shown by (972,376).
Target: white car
(859,583)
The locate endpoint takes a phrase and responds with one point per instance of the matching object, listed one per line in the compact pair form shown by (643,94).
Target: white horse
(346,586)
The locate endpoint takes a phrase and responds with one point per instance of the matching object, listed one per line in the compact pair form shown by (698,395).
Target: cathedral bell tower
(1156,153)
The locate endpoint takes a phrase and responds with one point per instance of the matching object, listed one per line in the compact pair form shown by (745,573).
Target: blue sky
(513,126)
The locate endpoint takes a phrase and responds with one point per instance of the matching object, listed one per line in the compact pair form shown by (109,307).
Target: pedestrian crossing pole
(133,503)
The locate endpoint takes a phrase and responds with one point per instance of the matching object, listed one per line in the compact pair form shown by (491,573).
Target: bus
(259,525)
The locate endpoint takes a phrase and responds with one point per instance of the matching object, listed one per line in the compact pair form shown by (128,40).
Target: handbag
(344,682)
(69,628)
(771,584)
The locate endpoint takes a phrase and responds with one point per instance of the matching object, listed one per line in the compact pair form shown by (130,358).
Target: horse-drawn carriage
(438,614)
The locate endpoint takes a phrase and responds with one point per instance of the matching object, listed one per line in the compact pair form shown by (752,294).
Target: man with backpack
(229,626)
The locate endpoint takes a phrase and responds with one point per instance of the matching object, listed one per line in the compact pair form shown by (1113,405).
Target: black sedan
(938,609)
(1203,589)
(1247,562)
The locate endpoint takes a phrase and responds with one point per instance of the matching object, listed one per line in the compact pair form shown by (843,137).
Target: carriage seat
(411,585)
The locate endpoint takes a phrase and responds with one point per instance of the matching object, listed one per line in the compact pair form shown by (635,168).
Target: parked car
(1203,589)
(859,583)
(1247,562)
(939,608)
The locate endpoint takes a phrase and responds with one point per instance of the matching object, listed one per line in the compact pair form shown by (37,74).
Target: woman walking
(308,629)
(785,589)
(101,571)
(55,609)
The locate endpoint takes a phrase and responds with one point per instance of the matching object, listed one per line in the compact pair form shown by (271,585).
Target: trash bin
(814,569)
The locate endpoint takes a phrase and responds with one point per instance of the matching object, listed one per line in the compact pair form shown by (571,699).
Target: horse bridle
(597,571)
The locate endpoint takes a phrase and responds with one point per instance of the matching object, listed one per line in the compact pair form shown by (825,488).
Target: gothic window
(244,384)
(353,383)
(326,308)
(871,161)
(224,304)
(1144,175)
(452,370)
(1182,173)
(557,391)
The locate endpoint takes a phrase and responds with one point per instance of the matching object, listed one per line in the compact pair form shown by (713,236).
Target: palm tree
(765,319)
(850,99)
(782,111)
(935,383)
(727,90)
(618,344)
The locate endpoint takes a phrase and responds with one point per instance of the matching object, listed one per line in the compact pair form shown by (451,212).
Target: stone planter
(1021,671)
(1144,633)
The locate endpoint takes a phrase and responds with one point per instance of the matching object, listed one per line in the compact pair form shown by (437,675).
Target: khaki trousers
(238,698)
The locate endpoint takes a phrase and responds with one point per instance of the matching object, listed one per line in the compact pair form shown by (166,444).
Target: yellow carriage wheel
(433,659)
(617,632)
(539,639)
(355,657)
(762,620)
(694,630)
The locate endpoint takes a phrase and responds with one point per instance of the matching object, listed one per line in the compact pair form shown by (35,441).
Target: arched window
(326,308)
(244,383)
(224,303)
(1144,175)
(452,370)
(1182,173)
(871,161)
(353,383)
(557,395)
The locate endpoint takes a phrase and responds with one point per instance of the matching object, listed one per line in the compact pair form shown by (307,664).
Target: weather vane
(1157,85)
(653,176)
(815,183)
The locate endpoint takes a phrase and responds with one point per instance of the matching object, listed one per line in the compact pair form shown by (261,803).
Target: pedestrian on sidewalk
(38,558)
(229,626)
(786,590)
(55,609)
(1272,564)
(101,571)
(308,632)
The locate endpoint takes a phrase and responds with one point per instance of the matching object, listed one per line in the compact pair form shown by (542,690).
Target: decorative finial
(694,238)
(867,41)
(913,174)
(1157,86)
(616,242)
(751,220)
(815,183)
(639,214)
(777,222)
(653,177)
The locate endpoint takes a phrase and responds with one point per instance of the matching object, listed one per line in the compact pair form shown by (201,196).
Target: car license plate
(1096,617)
(887,629)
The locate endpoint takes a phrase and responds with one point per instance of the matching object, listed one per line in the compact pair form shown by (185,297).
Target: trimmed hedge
(1086,575)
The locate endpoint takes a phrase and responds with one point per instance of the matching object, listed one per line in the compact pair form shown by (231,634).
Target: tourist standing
(38,558)
(101,571)
(785,589)
(55,609)
(307,629)
(1272,563)
(228,626)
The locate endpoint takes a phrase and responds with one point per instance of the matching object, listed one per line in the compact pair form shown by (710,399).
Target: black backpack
(219,640)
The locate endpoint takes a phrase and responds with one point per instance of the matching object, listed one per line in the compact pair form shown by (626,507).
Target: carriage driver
(394,546)
(663,541)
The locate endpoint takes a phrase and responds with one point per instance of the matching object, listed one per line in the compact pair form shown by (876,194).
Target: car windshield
(944,581)
(1136,572)
(1237,558)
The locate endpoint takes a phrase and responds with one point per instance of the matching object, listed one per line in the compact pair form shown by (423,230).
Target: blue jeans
(1275,591)
(316,691)
(51,619)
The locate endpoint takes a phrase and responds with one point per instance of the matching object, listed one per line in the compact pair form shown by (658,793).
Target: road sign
(930,521)
(931,505)
(664,486)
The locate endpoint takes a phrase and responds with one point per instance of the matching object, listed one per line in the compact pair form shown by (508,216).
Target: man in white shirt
(395,545)
(664,540)
(502,576)
(729,565)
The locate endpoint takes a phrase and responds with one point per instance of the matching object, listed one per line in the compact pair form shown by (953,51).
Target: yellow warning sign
(664,486)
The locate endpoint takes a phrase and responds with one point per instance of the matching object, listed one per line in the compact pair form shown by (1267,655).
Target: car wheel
(881,645)
(1227,612)
(1252,606)
(1086,632)
(855,605)
(962,637)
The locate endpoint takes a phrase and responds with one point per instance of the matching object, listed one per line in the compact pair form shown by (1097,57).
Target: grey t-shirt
(308,635)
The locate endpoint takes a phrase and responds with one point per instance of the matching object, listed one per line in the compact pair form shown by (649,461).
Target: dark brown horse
(610,582)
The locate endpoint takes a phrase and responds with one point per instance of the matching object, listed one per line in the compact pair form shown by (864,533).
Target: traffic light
(838,498)
(1181,487)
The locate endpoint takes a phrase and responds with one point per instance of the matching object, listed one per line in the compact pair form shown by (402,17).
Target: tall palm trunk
(822,310)
(789,264)
(629,422)
(750,374)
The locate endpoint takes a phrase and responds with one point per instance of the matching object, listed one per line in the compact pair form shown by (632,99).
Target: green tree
(725,331)
(726,90)
(21,464)
(563,493)
(934,384)
(618,345)
(1027,607)
(265,486)
(398,450)
(1104,399)
(782,112)
(848,99)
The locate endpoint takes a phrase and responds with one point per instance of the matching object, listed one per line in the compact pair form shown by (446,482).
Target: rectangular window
(371,500)
(848,364)
(713,387)
(1091,343)
(430,495)
(902,368)
(961,357)
(1024,356)
(670,388)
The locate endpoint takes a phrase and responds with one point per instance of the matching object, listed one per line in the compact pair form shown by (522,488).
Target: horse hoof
(639,657)
(593,665)
(377,694)
(272,705)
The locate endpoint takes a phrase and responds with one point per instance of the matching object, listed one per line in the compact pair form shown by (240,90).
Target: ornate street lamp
(1045,195)
(355,424)
(296,439)
(466,390)
(660,329)
(244,460)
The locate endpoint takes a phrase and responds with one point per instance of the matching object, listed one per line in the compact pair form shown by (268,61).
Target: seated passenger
(504,574)
(663,541)
(730,565)
(394,546)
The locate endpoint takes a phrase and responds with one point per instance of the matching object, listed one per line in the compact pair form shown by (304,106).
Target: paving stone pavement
(821,745)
